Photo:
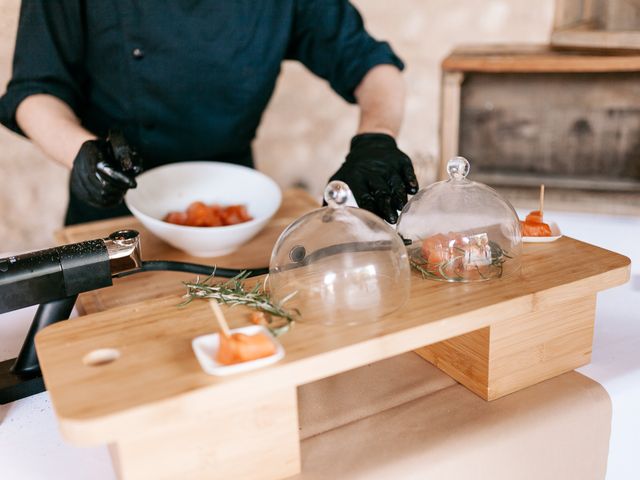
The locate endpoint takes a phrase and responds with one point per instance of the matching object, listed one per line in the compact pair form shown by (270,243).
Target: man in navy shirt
(189,80)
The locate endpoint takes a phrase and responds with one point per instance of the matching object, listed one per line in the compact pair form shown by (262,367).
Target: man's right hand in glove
(104,170)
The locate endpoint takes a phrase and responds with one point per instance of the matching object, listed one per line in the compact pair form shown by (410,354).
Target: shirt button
(137,53)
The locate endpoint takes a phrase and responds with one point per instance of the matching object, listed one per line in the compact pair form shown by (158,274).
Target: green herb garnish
(232,292)
(450,270)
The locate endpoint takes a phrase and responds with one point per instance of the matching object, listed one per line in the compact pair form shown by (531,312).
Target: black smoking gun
(54,277)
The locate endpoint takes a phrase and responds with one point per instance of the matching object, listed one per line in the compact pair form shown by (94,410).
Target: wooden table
(164,418)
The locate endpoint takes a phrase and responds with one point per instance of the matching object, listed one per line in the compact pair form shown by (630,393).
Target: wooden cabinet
(526,116)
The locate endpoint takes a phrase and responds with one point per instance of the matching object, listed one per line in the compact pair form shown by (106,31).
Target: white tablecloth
(32,449)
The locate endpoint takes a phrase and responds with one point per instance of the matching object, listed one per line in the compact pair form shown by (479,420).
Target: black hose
(198,269)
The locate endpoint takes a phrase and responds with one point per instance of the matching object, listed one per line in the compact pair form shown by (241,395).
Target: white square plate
(206,347)
(555,235)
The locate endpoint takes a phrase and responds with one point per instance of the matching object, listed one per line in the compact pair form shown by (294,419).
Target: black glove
(379,175)
(104,170)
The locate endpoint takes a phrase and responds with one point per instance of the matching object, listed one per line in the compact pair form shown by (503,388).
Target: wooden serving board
(165,418)
(254,254)
(535,58)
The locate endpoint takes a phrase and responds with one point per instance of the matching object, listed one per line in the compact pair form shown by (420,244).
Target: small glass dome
(461,231)
(340,264)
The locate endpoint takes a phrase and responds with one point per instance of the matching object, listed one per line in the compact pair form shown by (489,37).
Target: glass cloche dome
(460,230)
(340,264)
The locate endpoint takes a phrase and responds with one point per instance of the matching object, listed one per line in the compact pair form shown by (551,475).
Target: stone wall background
(306,129)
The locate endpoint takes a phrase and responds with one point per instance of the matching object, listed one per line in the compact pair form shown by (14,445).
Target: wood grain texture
(543,344)
(623,15)
(580,126)
(597,25)
(584,37)
(249,439)
(464,358)
(536,59)
(604,15)
(571,12)
(519,352)
(254,254)
(99,404)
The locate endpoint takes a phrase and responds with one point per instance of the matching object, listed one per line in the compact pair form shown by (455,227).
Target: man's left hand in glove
(379,175)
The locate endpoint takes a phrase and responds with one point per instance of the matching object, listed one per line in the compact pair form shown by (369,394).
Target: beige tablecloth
(404,419)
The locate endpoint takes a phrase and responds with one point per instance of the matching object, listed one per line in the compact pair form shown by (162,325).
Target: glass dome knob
(458,168)
(336,194)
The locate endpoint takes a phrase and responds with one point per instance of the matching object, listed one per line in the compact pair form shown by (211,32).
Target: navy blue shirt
(184,79)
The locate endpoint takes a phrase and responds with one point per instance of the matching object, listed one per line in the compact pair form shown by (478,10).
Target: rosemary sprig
(480,273)
(447,264)
(233,292)
(420,268)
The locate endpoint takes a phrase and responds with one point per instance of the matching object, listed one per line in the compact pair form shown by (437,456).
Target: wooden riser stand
(491,362)
(513,354)
(166,419)
(243,440)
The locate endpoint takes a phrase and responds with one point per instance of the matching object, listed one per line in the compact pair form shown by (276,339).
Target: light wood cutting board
(145,286)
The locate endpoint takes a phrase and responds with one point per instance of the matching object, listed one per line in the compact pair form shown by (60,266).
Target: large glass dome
(460,230)
(340,264)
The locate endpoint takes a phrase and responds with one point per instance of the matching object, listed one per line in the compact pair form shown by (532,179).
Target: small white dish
(206,348)
(555,235)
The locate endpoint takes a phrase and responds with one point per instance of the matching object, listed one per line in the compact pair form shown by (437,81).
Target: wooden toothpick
(217,311)
(541,198)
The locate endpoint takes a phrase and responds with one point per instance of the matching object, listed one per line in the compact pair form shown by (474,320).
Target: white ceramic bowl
(173,187)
